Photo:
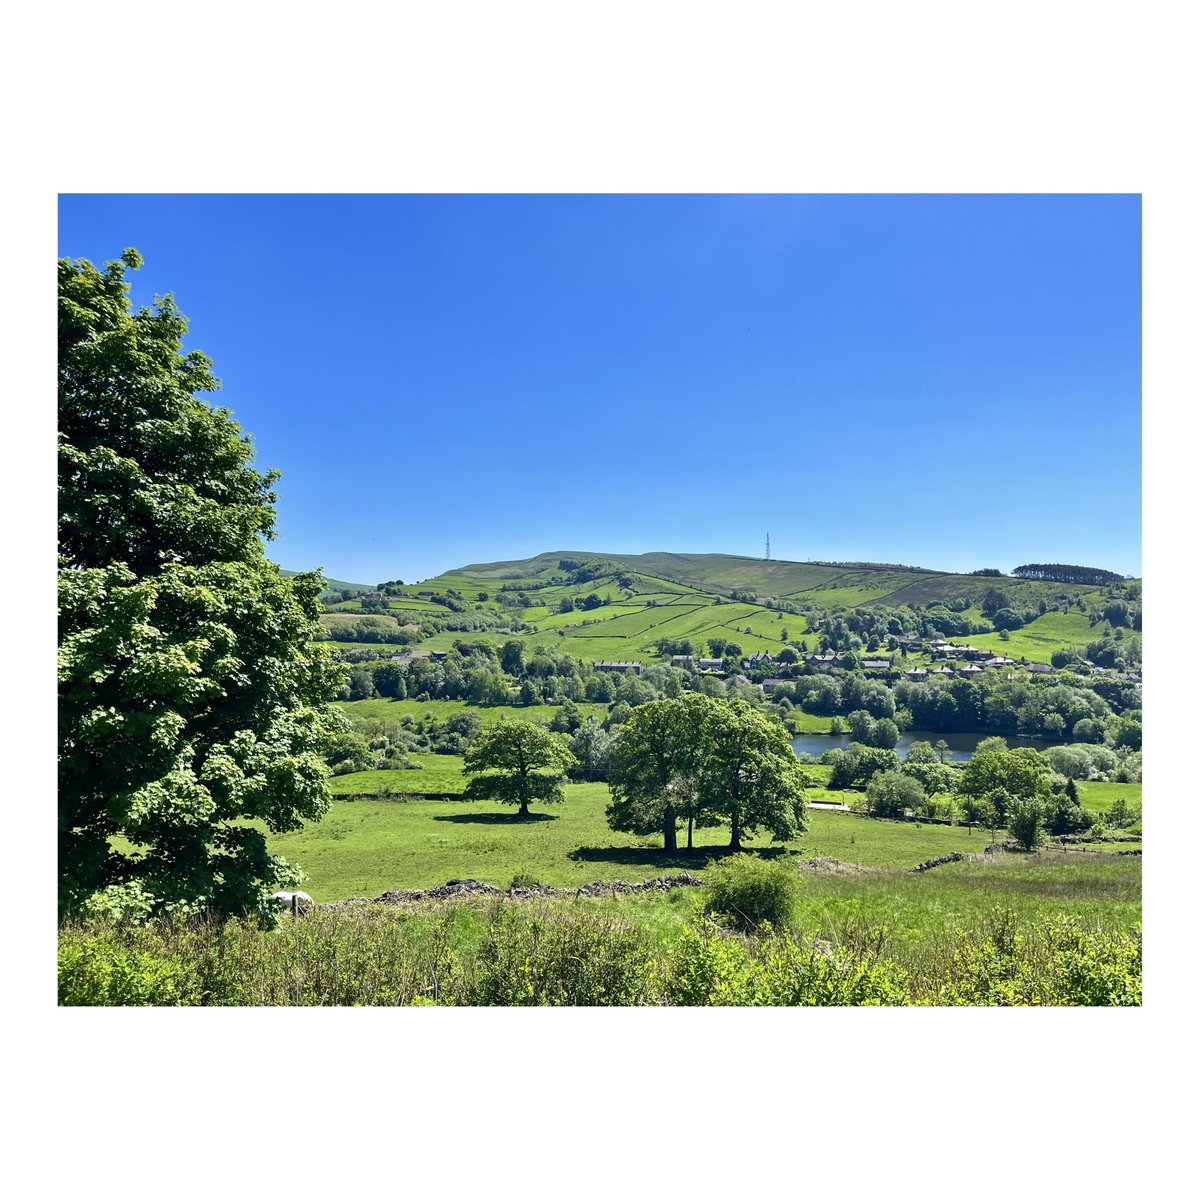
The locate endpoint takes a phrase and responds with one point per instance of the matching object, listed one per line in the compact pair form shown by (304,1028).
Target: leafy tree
(518,763)
(922,752)
(191,691)
(885,734)
(933,776)
(388,679)
(893,793)
(1121,814)
(592,746)
(659,743)
(1025,823)
(512,657)
(750,774)
(1005,773)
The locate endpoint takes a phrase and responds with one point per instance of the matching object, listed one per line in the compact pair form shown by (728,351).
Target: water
(962,745)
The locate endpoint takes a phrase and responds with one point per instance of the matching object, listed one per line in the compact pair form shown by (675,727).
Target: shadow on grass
(654,856)
(496,818)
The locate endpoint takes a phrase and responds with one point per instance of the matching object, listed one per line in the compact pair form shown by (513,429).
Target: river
(962,745)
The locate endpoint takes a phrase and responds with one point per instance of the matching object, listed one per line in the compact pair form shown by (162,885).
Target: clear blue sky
(948,381)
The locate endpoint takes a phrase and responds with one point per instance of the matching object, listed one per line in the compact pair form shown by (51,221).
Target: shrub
(1059,963)
(751,892)
(578,959)
(712,968)
(96,971)
(523,879)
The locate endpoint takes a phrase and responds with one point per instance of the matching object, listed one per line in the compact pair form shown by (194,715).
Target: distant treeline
(1064,573)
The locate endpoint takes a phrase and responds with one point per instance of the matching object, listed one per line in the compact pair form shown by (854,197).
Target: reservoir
(962,745)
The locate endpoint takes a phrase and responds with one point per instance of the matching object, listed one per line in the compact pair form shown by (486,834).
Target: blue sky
(948,381)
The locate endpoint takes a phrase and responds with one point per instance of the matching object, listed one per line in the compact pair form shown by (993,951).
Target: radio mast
(768,546)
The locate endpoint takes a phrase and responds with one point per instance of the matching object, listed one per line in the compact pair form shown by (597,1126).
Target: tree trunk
(735,840)
(523,811)
(690,821)
(669,842)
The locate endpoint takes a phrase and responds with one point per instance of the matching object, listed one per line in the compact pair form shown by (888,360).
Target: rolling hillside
(621,606)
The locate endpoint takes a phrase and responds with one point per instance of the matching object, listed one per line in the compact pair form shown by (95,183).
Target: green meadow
(365,847)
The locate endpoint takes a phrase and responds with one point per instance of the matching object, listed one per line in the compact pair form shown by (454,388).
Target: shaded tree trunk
(735,839)
(669,841)
(690,823)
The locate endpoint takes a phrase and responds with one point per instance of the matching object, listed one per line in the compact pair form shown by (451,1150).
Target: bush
(1058,963)
(712,968)
(578,959)
(751,892)
(96,971)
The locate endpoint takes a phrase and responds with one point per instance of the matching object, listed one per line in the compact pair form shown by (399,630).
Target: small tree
(517,763)
(892,793)
(1025,823)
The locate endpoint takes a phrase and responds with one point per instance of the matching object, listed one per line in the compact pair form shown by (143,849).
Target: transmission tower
(768,547)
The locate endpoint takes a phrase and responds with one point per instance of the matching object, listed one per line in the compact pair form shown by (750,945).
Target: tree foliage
(707,760)
(517,763)
(191,692)
(1065,573)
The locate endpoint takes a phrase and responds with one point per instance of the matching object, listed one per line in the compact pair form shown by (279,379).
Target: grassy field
(439,774)
(1039,639)
(364,847)
(1100,797)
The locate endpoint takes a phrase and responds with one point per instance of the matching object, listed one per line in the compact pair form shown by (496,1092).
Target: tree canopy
(706,760)
(191,691)
(517,763)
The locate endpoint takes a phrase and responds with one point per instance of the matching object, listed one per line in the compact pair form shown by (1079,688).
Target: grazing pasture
(364,847)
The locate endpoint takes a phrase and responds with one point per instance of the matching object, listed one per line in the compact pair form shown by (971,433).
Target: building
(769,685)
(760,659)
(681,660)
(1039,668)
(971,670)
(917,674)
(942,670)
(619,667)
(712,664)
(875,664)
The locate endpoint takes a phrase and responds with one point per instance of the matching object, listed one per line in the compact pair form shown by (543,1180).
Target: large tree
(654,765)
(191,693)
(750,775)
(517,763)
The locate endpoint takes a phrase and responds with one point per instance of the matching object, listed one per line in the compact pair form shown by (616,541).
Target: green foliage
(1025,823)
(709,968)
(570,958)
(98,971)
(880,937)
(858,764)
(190,689)
(751,892)
(894,793)
(1008,771)
(1060,963)
(517,763)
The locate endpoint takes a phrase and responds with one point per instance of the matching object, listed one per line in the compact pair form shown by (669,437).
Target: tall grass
(579,953)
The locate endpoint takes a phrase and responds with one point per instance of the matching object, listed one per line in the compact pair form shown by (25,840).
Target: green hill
(600,606)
